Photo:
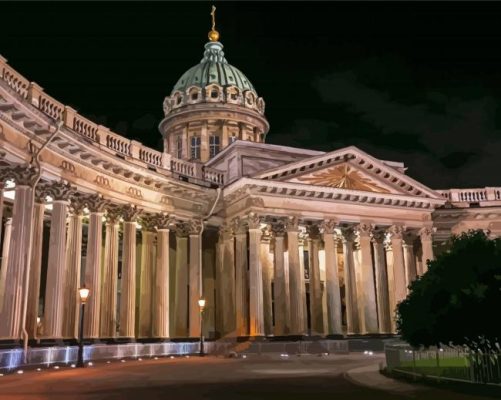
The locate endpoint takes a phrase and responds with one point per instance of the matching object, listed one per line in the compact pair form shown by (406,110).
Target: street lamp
(201,305)
(83,292)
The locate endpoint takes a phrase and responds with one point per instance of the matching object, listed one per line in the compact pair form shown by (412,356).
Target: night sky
(412,82)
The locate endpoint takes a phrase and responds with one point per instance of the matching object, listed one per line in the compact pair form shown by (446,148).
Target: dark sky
(412,82)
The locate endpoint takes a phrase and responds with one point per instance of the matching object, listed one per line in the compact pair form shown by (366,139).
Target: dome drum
(213,93)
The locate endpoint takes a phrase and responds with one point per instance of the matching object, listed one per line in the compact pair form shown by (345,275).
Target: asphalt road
(271,377)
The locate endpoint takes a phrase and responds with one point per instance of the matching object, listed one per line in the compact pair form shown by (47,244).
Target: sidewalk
(369,376)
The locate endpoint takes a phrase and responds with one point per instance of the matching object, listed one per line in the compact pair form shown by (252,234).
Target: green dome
(213,69)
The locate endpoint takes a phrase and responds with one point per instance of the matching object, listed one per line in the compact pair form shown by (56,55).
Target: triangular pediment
(343,176)
(350,168)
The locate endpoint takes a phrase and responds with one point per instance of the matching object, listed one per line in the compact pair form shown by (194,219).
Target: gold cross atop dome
(213,34)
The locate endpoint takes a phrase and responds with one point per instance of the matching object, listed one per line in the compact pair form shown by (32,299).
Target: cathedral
(279,241)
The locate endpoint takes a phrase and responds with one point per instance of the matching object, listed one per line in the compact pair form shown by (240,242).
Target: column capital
(164,221)
(378,236)
(365,229)
(182,229)
(253,220)
(113,214)
(313,231)
(96,203)
(348,234)
(278,228)
(59,191)
(329,226)
(130,213)
(239,226)
(77,204)
(225,232)
(409,237)
(292,224)
(396,231)
(195,226)
(426,233)
(23,175)
(148,222)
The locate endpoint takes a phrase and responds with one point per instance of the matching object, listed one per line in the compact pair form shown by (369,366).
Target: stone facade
(280,241)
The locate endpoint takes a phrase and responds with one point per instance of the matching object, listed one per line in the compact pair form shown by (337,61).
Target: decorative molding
(59,190)
(21,174)
(130,213)
(253,220)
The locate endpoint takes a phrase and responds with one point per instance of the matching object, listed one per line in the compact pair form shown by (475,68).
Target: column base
(335,336)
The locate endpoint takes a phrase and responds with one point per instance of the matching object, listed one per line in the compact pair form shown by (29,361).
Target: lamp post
(201,304)
(83,292)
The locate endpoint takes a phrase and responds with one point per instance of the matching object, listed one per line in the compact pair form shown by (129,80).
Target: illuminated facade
(278,240)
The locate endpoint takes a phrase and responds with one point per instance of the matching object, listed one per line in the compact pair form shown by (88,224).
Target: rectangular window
(179,147)
(195,148)
(213,145)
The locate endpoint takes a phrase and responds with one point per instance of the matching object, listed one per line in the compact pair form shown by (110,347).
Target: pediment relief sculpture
(343,177)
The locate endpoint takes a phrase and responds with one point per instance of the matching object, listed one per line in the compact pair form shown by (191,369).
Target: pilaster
(382,291)
(181,291)
(241,303)
(280,300)
(256,302)
(195,275)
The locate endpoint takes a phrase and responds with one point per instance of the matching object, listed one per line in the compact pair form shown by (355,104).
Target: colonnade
(135,306)
(273,275)
(351,278)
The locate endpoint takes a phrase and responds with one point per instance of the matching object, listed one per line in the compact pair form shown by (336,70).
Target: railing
(472,195)
(183,167)
(14,80)
(85,127)
(447,363)
(97,133)
(213,175)
(150,156)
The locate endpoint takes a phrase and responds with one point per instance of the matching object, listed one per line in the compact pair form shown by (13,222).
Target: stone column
(181,295)
(73,267)
(128,281)
(56,264)
(109,286)
(396,232)
(425,235)
(266,258)
(409,258)
(96,205)
(297,289)
(219,282)
(228,282)
(350,287)
(147,275)
(335,323)
(382,291)
(2,185)
(5,259)
(241,292)
(316,313)
(18,262)
(279,284)
(35,270)
(195,274)
(256,299)
(161,328)
(368,294)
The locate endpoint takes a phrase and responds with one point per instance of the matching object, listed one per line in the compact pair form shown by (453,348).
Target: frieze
(134,192)
(102,181)
(68,167)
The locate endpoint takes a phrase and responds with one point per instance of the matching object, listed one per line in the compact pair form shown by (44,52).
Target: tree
(458,300)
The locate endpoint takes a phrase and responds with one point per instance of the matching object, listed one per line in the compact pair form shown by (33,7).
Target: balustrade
(82,126)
